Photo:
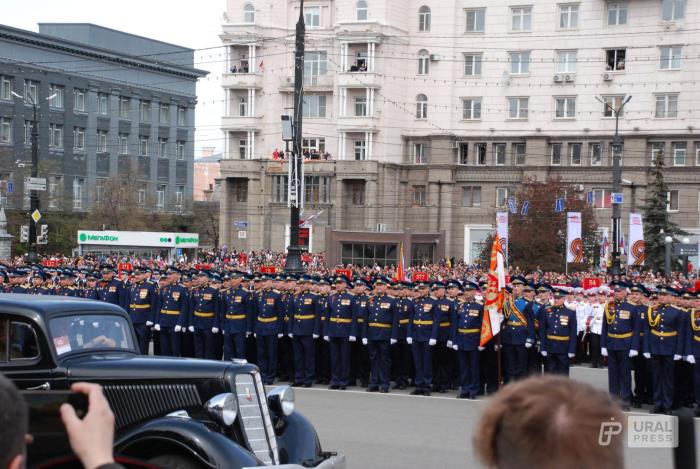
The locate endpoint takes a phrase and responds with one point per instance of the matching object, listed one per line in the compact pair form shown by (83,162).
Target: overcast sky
(183,22)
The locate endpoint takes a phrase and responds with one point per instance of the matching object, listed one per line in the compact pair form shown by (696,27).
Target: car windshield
(90,331)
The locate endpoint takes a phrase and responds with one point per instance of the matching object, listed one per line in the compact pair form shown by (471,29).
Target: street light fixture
(667,264)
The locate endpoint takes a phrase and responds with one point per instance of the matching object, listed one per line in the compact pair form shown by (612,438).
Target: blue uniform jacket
(305,321)
(269,319)
(404,307)
(466,328)
(382,319)
(234,311)
(340,315)
(519,327)
(558,330)
(360,315)
(692,335)
(205,308)
(446,308)
(143,301)
(173,307)
(664,330)
(620,326)
(113,292)
(423,324)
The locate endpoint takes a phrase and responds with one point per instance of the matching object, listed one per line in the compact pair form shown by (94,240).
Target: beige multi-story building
(433,112)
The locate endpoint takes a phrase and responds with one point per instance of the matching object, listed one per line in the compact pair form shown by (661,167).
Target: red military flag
(493,297)
(401,268)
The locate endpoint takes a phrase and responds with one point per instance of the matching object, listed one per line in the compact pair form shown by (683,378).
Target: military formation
(426,335)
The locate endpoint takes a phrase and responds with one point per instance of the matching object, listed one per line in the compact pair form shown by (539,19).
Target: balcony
(358,123)
(359,80)
(241,80)
(241,123)
(314,83)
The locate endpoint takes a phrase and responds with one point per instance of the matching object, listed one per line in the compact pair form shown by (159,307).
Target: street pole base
(294,265)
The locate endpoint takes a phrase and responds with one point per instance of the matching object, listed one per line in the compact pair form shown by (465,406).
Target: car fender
(190,437)
(297,439)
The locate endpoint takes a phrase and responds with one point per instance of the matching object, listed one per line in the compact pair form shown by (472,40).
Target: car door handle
(41,387)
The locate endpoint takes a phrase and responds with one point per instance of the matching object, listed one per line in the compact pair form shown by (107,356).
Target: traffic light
(43,236)
(24,234)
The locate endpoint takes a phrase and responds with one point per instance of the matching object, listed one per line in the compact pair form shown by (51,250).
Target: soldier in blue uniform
(90,289)
(401,359)
(466,336)
(692,350)
(619,341)
(359,360)
(143,302)
(268,328)
(558,334)
(442,352)
(172,314)
(287,286)
(38,287)
(663,344)
(322,287)
(235,317)
(642,373)
(338,329)
(422,332)
(518,332)
(380,332)
(17,279)
(683,386)
(204,316)
(304,329)
(110,289)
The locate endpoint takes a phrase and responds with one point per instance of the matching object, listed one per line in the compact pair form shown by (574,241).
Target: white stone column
(370,137)
(226,144)
(252,144)
(252,65)
(252,102)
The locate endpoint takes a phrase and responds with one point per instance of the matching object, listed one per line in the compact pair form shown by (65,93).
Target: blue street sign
(511,206)
(178,252)
(526,207)
(617,197)
(559,205)
(10,187)
(589,197)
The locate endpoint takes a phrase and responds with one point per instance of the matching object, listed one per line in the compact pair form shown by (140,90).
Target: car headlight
(223,408)
(281,399)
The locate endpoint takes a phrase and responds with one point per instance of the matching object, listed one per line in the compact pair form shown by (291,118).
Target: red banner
(203,267)
(268,269)
(51,263)
(420,277)
(124,266)
(346,272)
(589,283)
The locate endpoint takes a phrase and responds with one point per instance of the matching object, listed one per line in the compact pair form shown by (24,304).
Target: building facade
(435,112)
(110,105)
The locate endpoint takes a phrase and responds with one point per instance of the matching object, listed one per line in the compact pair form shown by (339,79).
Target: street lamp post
(686,241)
(617,179)
(667,264)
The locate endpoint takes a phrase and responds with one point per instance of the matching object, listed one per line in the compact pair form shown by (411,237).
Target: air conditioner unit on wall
(557,78)
(434,57)
(578,187)
(569,78)
(607,76)
(381,227)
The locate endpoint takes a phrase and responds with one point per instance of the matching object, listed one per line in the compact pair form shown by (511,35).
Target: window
(143,145)
(55,136)
(360,106)
(79,139)
(160,197)
(5,130)
(79,100)
(519,150)
(317,189)
(243,106)
(463,153)
(6,88)
(596,152)
(615,59)
(568,16)
(55,186)
(697,153)
(242,148)
(617,14)
(471,108)
(180,150)
(164,115)
(279,188)
(670,57)
(565,107)
(602,198)
(556,154)
(361,11)
(181,116)
(102,141)
(102,104)
(480,153)
(179,190)
(680,150)
(471,196)
(672,201)
(369,254)
(521,18)
(312,17)
(575,154)
(656,150)
(314,105)
(423,62)
(123,144)
(499,154)
(31,91)
(472,65)
(424,18)
(99,189)
(56,93)
(313,145)
(357,192)
(611,104)
(315,64)
(421,106)
(566,61)
(145,111)
(28,126)
(501,196)
(420,196)
(162,147)
(240,190)
(78,193)
(124,107)
(142,197)
(672,10)
(476,19)
(18,343)
(517,108)
(519,63)
(360,150)
(666,106)
(248,13)
(420,153)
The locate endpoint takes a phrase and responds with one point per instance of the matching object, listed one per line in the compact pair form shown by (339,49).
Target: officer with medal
(443,355)
(380,332)
(692,350)
(338,328)
(640,365)
(235,320)
(204,316)
(401,359)
(422,332)
(466,336)
(110,289)
(172,313)
(558,334)
(304,329)
(359,360)
(268,329)
(143,301)
(518,332)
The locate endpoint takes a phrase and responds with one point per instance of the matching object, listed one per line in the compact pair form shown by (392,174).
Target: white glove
(647,355)
(191,328)
(364,341)
(633,353)
(528,344)
(315,336)
(352,338)
(157,327)
(572,355)
(544,353)
(449,344)
(676,358)
(290,335)
(496,347)
(177,328)
(247,334)
(279,336)
(455,347)
(326,338)
(604,352)
(392,341)
(432,342)
(149,323)
(255,336)
(409,340)
(214,330)
(690,359)
(481,349)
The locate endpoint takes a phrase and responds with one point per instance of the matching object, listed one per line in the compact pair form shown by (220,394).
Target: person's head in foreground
(14,426)
(548,422)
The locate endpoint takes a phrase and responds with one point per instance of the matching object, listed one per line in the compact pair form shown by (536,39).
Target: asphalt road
(396,430)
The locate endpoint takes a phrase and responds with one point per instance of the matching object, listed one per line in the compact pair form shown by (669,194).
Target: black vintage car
(172,412)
